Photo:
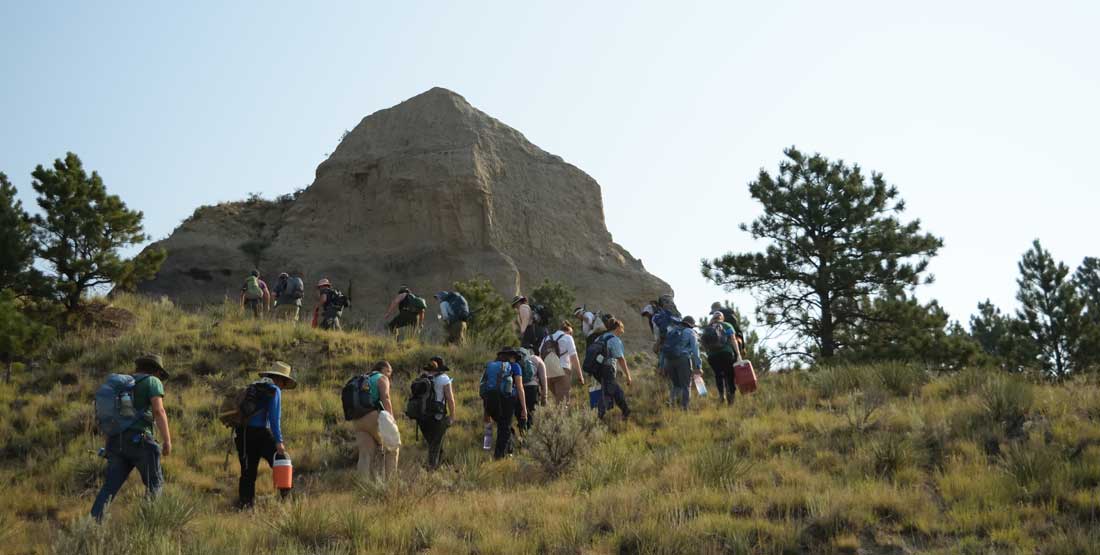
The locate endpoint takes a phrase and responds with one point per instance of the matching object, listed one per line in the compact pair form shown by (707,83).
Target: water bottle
(487,439)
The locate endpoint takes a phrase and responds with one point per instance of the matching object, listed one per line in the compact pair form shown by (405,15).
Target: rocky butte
(424,193)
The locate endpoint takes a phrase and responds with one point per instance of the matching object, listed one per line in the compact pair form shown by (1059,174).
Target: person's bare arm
(384,394)
(626,370)
(522,401)
(577,366)
(242,298)
(544,386)
(160,418)
(392,309)
(449,398)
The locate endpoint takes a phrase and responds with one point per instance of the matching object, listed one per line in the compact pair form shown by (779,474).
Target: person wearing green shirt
(137,446)
(720,342)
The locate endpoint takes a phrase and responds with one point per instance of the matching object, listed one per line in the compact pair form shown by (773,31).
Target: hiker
(720,341)
(288,296)
(537,330)
(559,353)
(524,316)
(665,318)
(135,444)
(255,296)
(261,437)
(730,317)
(534,385)
(376,458)
(648,312)
(603,358)
(406,309)
(501,390)
(593,324)
(435,411)
(330,305)
(680,361)
(454,312)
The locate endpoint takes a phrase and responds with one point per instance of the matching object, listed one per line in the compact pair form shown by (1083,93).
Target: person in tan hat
(262,436)
(137,447)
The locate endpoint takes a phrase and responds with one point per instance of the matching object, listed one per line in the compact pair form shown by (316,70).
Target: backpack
(665,319)
(412,303)
(252,290)
(496,378)
(240,403)
(665,302)
(528,366)
(422,402)
(114,404)
(533,336)
(550,346)
(678,343)
(714,337)
(460,308)
(360,396)
(337,300)
(542,313)
(597,356)
(297,288)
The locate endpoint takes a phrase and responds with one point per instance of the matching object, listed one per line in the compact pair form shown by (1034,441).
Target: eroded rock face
(424,193)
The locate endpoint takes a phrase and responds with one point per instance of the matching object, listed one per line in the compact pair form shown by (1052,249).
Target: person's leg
(118,469)
(365,428)
(147,457)
(462,333)
(719,376)
(683,371)
(249,458)
(606,378)
(616,394)
(531,394)
(503,417)
(723,365)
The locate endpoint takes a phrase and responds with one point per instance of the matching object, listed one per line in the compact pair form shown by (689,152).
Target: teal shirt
(144,392)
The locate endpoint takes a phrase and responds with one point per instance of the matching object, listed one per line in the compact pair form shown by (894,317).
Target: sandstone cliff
(424,193)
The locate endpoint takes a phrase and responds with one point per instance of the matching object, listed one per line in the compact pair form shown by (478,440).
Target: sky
(985,115)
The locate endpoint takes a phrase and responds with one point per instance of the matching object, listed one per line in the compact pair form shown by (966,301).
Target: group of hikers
(130,408)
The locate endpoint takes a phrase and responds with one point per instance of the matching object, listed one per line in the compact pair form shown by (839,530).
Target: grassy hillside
(876,459)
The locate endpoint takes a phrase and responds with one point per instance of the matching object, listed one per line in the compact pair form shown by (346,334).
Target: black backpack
(542,314)
(714,337)
(336,299)
(550,345)
(422,403)
(356,397)
(597,356)
(533,336)
(460,309)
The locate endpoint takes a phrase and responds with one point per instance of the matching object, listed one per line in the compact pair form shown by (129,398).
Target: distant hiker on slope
(501,390)
(366,400)
(524,317)
(602,359)
(288,296)
(680,360)
(330,305)
(127,408)
(432,405)
(720,341)
(261,434)
(255,297)
(454,313)
(593,323)
(559,352)
(406,310)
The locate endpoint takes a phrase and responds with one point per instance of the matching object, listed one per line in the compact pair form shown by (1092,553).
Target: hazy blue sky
(984,114)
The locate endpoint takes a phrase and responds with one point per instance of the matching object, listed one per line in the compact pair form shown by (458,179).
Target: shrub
(1006,400)
(719,463)
(557,297)
(562,436)
(310,526)
(170,512)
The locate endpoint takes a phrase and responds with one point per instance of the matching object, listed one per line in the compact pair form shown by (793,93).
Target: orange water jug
(283,473)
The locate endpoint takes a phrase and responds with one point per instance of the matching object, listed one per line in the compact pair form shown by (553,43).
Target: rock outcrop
(424,193)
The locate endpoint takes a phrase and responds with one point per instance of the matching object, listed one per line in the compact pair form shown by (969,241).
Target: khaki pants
(287,311)
(373,461)
(456,333)
(560,386)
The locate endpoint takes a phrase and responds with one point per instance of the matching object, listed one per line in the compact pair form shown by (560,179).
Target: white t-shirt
(441,381)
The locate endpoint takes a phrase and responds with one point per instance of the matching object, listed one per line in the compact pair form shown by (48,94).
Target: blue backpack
(460,309)
(114,404)
(678,343)
(497,378)
(665,319)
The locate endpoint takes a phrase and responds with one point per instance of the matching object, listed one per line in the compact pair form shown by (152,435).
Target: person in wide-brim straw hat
(261,437)
(280,370)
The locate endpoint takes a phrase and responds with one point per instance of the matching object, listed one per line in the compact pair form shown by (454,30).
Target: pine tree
(17,272)
(82,229)
(1050,313)
(835,239)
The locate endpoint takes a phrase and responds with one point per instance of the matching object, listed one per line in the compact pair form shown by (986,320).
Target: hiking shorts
(288,311)
(403,319)
(559,387)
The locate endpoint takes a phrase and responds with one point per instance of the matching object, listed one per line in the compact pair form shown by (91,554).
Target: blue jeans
(678,370)
(126,452)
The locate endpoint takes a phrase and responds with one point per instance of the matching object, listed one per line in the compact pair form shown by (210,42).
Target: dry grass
(872,459)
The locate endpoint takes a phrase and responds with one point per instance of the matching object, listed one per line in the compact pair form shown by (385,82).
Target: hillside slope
(848,460)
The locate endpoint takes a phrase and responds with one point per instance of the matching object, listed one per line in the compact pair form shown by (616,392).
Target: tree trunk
(826,327)
(7,375)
